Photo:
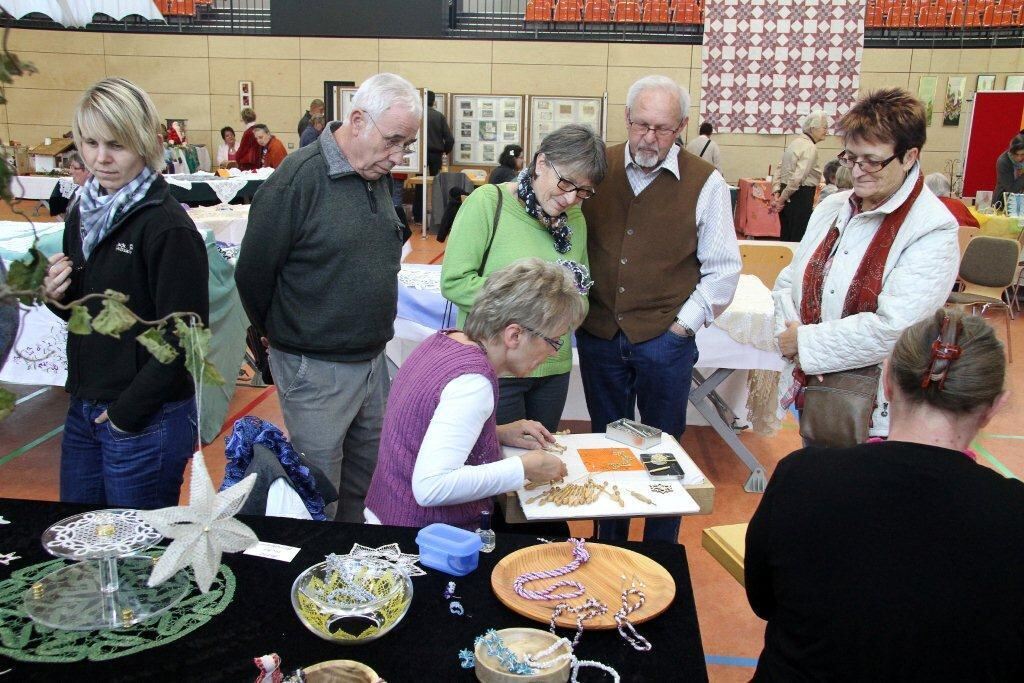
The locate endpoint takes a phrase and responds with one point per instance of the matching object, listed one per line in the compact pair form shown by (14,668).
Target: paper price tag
(273,551)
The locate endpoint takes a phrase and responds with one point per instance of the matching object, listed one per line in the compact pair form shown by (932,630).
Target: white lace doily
(67,187)
(103,533)
(226,188)
(750,318)
(428,280)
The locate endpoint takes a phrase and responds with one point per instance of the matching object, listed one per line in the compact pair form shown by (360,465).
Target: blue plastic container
(449,549)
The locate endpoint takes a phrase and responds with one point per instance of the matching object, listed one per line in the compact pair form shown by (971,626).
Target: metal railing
(248,17)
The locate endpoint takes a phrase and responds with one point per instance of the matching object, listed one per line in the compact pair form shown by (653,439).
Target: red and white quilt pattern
(767,63)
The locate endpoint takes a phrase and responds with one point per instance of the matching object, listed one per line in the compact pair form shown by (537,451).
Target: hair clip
(945,350)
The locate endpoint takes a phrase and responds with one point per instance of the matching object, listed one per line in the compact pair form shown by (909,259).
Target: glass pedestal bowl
(351,600)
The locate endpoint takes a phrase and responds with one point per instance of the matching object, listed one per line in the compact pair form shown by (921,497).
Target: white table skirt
(37,187)
(227,223)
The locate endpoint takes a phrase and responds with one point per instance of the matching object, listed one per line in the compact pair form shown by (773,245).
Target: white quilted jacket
(918,277)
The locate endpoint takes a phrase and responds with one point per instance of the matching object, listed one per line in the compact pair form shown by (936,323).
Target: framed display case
(550,113)
(343,103)
(482,125)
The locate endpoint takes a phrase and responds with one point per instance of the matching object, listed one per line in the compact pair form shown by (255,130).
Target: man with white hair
(798,177)
(317,275)
(665,262)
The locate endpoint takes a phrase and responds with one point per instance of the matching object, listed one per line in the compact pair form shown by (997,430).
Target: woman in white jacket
(874,260)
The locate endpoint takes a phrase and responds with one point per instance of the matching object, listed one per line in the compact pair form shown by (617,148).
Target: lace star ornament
(390,553)
(7,558)
(203,529)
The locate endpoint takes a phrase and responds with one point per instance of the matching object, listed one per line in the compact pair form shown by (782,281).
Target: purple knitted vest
(414,396)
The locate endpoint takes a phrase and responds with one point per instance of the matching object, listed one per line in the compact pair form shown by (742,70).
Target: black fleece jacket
(157,258)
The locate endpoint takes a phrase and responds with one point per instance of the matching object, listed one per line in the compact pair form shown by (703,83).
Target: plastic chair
(656,12)
(597,11)
(687,12)
(538,10)
(568,10)
(764,261)
(627,11)
(967,233)
(987,270)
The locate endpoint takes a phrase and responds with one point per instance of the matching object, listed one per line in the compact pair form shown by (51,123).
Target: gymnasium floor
(732,635)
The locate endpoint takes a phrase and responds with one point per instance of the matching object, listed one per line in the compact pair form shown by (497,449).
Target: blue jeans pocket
(119,435)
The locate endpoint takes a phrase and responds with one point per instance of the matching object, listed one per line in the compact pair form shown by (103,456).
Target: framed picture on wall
(954,100)
(483,125)
(1014,83)
(245,94)
(985,82)
(549,113)
(926,93)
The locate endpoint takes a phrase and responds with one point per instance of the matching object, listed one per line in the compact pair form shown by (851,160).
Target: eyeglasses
(556,344)
(866,165)
(566,185)
(393,144)
(661,133)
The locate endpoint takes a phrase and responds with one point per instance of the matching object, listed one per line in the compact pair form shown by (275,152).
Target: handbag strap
(494,231)
(701,155)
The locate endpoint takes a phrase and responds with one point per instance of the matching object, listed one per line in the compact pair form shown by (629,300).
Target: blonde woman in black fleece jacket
(131,425)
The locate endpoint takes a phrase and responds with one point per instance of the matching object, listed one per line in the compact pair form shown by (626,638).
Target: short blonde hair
(117,109)
(531,292)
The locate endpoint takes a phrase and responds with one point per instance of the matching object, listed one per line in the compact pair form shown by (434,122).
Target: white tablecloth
(227,223)
(78,13)
(421,309)
(33,186)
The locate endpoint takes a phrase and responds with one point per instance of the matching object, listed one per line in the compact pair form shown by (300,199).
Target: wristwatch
(686,328)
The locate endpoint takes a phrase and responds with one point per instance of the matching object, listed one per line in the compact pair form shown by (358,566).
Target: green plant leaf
(114,319)
(211,375)
(195,340)
(7,401)
(155,343)
(79,323)
(27,275)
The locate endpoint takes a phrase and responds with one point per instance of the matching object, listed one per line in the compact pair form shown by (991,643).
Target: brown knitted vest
(642,249)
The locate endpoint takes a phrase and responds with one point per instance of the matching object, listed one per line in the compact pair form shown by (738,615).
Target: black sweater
(888,562)
(156,256)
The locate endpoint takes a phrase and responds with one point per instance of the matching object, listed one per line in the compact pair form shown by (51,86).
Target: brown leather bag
(837,408)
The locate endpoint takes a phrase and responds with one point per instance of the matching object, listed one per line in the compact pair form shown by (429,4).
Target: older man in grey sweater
(317,275)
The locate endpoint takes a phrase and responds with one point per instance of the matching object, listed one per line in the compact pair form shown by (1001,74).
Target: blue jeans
(654,375)
(100,465)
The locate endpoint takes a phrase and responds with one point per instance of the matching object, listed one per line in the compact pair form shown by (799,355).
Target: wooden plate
(601,576)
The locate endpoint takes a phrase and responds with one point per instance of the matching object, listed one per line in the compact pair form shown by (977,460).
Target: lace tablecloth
(224,188)
(227,223)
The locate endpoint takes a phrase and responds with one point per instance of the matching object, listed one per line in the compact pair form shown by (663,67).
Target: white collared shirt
(717,249)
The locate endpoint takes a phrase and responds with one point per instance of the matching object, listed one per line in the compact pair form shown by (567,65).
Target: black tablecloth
(423,647)
(202,193)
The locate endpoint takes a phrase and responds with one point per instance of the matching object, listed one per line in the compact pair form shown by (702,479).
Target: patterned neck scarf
(1018,168)
(557,226)
(100,212)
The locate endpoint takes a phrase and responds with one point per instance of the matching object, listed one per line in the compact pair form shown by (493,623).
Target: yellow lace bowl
(351,600)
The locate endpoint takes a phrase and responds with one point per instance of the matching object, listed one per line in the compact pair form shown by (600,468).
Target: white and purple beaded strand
(580,556)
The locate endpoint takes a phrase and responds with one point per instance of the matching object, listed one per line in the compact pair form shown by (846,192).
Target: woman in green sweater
(538,215)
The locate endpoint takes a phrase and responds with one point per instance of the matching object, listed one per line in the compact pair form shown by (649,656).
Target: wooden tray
(601,576)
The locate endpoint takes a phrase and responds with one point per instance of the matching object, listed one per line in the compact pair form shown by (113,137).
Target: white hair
(816,119)
(383,91)
(938,183)
(660,83)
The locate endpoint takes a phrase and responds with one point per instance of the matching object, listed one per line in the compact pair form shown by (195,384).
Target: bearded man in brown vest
(665,262)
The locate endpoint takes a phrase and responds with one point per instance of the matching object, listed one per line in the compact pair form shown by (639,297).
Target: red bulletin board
(996,117)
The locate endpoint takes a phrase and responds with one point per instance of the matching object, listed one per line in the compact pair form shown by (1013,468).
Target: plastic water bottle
(485,533)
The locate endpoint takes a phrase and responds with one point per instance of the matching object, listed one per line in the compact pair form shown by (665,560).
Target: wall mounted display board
(483,124)
(995,118)
(551,113)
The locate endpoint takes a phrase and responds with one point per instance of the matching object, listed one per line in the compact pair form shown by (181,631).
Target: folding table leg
(701,396)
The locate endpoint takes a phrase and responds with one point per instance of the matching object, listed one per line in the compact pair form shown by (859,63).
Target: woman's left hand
(788,340)
(528,434)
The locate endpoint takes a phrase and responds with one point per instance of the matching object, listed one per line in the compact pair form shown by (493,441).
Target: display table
(740,339)
(998,225)
(259,618)
(202,188)
(40,357)
(727,544)
(227,222)
(754,217)
(37,187)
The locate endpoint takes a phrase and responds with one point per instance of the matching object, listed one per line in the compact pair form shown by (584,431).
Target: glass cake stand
(106,586)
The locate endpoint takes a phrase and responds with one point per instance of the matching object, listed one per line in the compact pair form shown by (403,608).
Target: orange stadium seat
(597,11)
(627,11)
(568,10)
(656,12)
(538,10)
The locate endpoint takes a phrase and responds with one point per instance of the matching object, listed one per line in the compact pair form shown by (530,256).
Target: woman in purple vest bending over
(440,449)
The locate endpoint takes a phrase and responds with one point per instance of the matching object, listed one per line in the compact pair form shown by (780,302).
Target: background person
(858,557)
(828,174)
(1010,169)
(131,424)
(540,217)
(940,185)
(316,108)
(798,177)
(317,123)
(272,151)
(58,202)
(439,143)
(510,163)
(706,148)
(440,453)
(318,277)
(873,261)
(248,153)
(226,152)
